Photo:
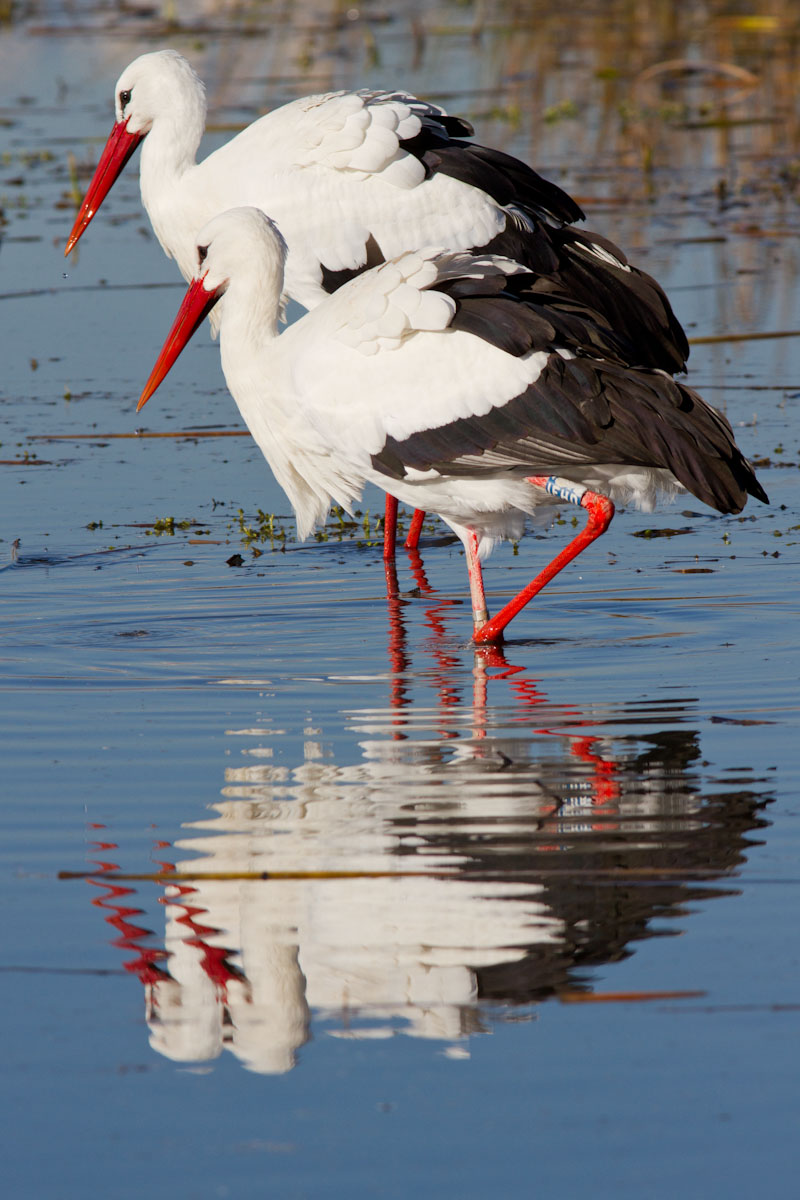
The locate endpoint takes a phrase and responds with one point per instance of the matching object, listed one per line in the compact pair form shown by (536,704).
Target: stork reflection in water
(485,860)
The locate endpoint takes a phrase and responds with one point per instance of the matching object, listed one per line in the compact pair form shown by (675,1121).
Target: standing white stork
(354,178)
(456,382)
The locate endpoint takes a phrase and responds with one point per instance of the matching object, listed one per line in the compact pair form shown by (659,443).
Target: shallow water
(303,895)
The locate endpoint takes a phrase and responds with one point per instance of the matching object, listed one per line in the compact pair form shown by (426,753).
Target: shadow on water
(483,854)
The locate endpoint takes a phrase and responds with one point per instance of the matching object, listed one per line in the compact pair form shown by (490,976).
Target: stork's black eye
(124,100)
(202,251)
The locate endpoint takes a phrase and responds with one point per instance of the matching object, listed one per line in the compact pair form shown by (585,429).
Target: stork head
(155,87)
(242,245)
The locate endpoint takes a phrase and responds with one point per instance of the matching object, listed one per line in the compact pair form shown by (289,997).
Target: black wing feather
(505,179)
(508,326)
(454,127)
(333,280)
(629,301)
(589,409)
(517,314)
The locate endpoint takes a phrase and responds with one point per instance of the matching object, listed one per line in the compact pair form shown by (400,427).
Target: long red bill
(196,305)
(116,152)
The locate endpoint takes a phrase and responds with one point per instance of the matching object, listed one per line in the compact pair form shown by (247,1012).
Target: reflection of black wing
(608,869)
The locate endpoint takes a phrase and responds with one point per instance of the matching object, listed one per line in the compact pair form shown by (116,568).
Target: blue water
(304,896)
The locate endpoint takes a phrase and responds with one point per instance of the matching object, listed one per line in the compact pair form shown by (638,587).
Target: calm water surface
(304,896)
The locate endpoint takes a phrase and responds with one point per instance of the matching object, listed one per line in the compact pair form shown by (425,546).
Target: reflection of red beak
(197,304)
(116,152)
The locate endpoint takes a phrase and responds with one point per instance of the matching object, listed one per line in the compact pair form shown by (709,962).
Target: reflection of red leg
(131,935)
(418,571)
(392,586)
(397,642)
(606,788)
(213,959)
(389,527)
(493,656)
(434,613)
(600,510)
(412,541)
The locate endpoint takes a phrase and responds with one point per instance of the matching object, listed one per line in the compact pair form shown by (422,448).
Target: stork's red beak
(116,152)
(196,305)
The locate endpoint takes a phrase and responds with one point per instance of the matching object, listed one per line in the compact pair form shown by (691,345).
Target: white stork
(354,178)
(458,383)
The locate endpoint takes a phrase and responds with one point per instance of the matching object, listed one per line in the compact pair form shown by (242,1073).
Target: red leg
(412,541)
(600,510)
(480,615)
(389,528)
